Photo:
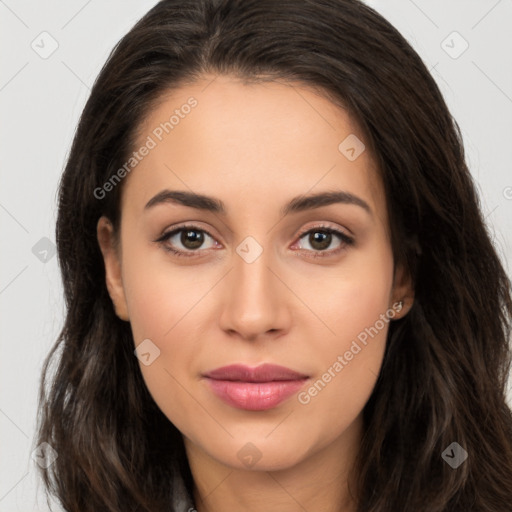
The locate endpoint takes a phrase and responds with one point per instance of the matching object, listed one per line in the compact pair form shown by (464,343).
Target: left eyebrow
(297,204)
(301,203)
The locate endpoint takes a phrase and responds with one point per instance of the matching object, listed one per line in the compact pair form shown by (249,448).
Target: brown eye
(187,241)
(320,240)
(192,239)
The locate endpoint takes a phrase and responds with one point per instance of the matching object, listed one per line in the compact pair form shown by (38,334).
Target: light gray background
(41,100)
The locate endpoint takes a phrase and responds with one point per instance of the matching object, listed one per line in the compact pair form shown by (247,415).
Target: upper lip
(263,373)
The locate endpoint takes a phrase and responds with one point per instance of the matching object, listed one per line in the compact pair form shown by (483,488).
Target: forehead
(220,136)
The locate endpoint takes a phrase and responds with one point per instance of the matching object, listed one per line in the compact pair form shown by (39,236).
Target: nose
(255,302)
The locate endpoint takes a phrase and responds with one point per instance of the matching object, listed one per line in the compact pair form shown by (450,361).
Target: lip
(262,373)
(254,389)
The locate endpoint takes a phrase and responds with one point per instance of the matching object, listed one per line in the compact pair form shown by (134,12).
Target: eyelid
(326,227)
(192,225)
(169,233)
(345,239)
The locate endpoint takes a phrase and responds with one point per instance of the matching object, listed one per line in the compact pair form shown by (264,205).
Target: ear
(111,257)
(403,292)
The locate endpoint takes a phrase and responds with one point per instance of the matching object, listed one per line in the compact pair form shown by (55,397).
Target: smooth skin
(255,147)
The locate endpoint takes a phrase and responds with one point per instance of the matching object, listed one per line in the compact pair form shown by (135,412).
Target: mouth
(254,389)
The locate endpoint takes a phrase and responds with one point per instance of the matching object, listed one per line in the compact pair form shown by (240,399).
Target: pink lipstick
(254,389)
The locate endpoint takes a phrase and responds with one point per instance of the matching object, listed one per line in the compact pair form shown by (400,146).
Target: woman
(280,290)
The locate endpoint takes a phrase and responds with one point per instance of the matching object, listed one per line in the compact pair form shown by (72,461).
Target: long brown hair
(446,365)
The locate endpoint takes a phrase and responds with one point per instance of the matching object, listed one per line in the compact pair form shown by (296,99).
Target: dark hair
(446,364)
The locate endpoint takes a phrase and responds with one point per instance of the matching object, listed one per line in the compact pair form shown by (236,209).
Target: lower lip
(254,396)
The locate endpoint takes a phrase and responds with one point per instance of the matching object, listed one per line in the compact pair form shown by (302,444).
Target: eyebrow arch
(301,203)
(190,199)
(297,204)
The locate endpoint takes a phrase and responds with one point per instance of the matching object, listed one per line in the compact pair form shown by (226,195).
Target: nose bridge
(254,304)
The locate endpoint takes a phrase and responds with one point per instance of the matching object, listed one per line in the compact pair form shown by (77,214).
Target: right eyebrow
(190,199)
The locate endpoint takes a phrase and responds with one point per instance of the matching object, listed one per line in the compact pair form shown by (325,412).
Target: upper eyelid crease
(340,233)
(301,234)
(297,204)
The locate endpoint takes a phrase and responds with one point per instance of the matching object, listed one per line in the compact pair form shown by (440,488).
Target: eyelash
(344,239)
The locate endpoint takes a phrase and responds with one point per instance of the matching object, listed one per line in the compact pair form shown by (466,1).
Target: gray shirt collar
(182,500)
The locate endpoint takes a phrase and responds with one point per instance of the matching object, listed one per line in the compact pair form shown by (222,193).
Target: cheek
(166,307)
(348,298)
(159,295)
(354,308)
(167,304)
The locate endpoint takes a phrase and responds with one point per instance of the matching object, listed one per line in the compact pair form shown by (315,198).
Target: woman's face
(269,271)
